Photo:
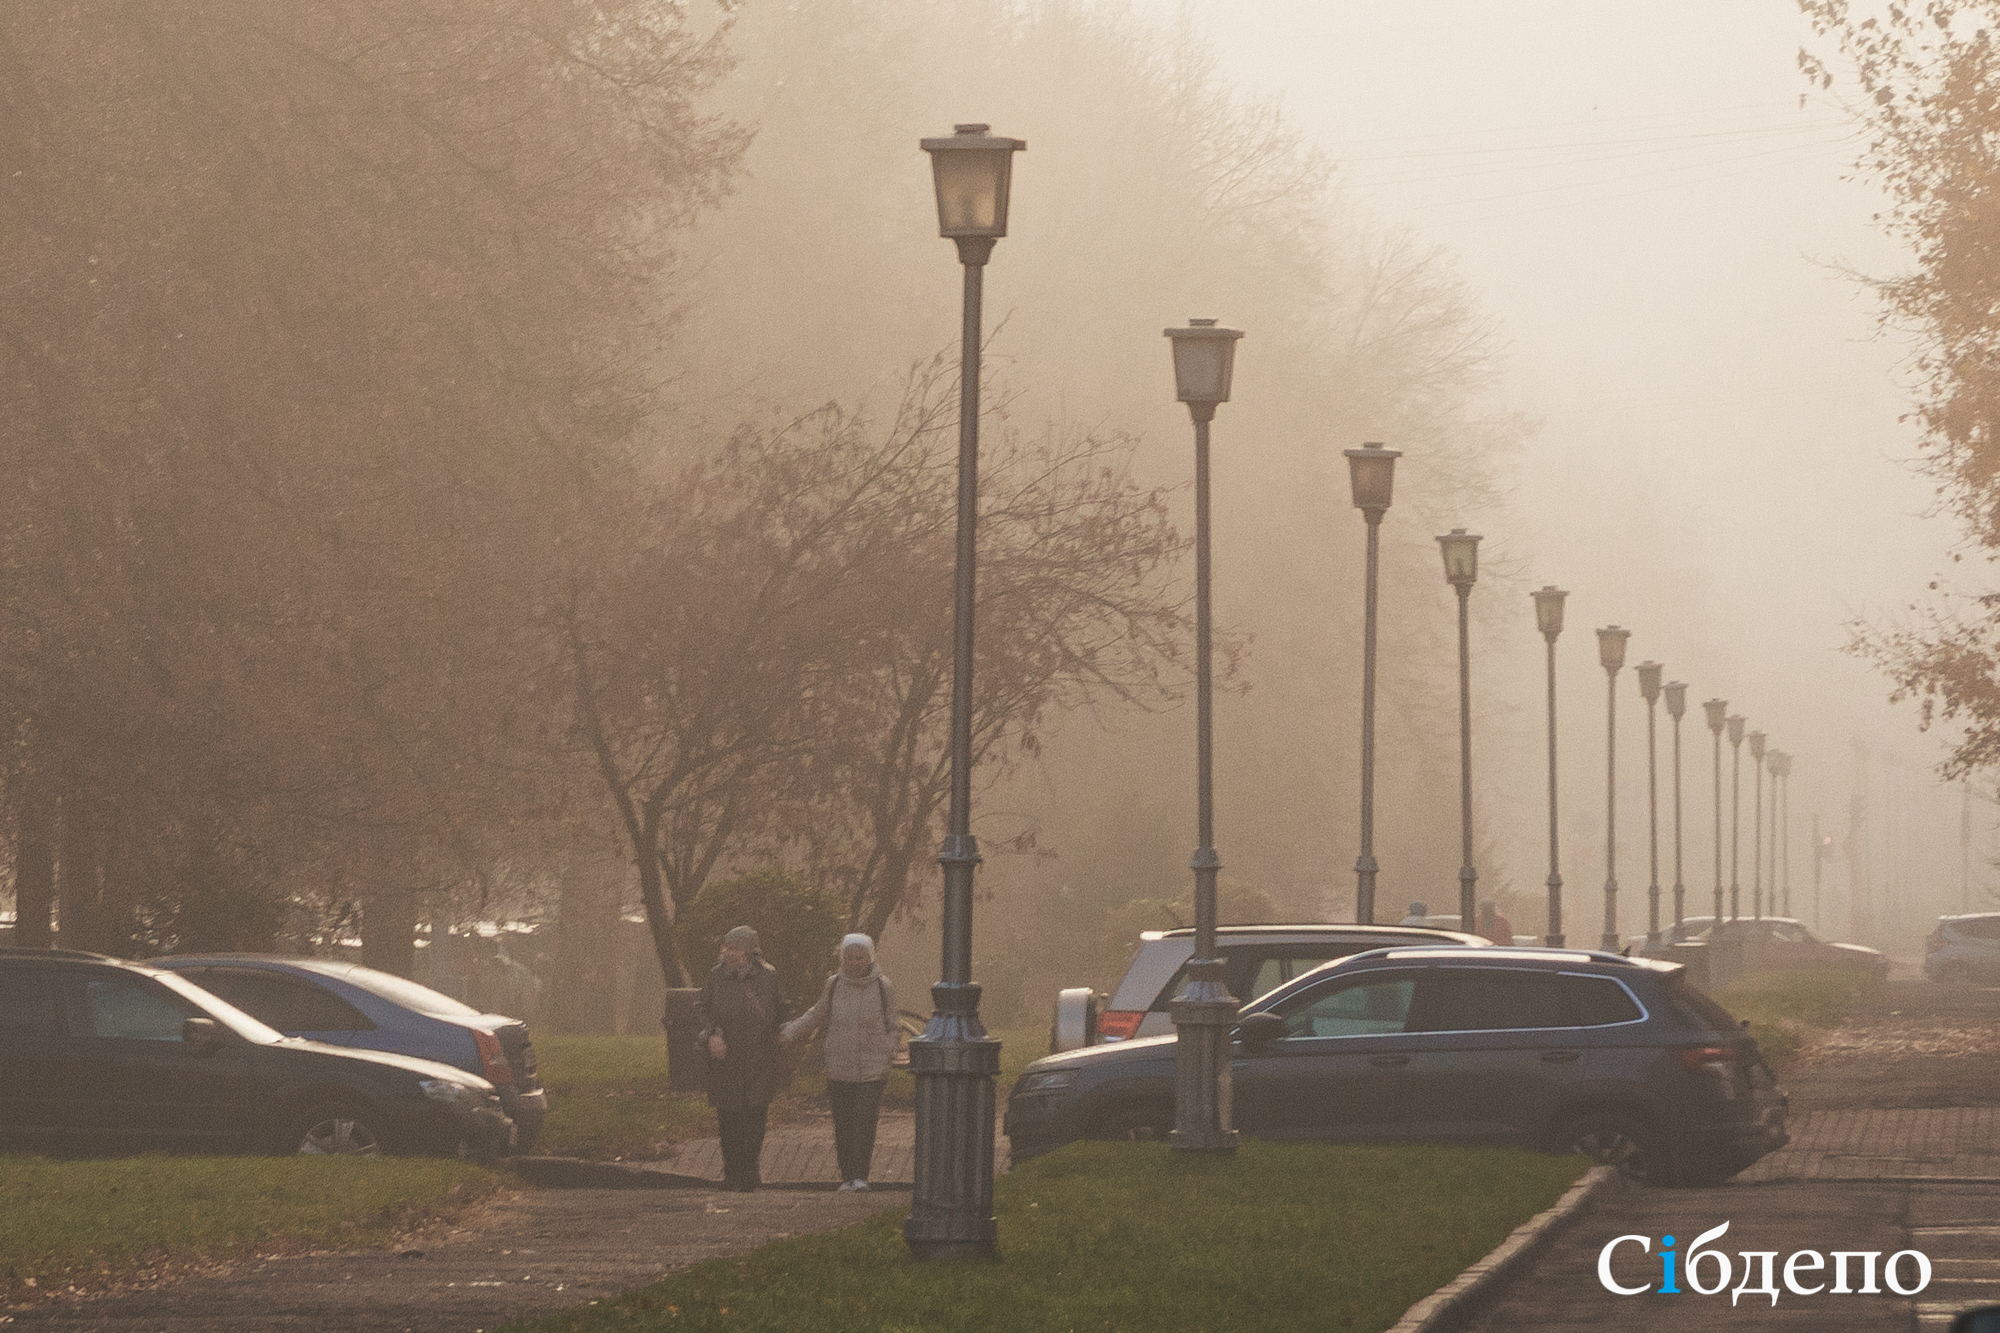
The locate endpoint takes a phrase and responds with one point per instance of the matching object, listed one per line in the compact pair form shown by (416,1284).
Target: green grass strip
(1137,1237)
(61,1221)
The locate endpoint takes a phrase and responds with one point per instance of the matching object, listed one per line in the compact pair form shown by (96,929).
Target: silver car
(1258,959)
(1964,949)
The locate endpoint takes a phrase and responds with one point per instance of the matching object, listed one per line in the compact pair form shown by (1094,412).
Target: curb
(1453,1300)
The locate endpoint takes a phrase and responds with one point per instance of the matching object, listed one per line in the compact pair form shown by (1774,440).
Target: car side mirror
(202,1035)
(1985,1319)
(1257,1031)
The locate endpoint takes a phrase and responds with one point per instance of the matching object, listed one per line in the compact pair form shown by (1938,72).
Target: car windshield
(219,1009)
(409,994)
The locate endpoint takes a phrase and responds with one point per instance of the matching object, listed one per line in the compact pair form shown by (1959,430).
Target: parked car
(346,1004)
(1781,943)
(1619,1058)
(1964,948)
(1691,928)
(103,1055)
(1257,959)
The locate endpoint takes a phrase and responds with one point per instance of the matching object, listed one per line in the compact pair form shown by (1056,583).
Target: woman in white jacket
(858,1009)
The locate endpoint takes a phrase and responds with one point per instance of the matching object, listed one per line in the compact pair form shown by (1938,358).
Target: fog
(403,575)
(1667,242)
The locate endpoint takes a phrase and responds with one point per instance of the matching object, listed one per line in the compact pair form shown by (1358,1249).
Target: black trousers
(742,1135)
(855,1107)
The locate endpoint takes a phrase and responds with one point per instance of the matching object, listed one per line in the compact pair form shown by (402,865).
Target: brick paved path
(1873,1144)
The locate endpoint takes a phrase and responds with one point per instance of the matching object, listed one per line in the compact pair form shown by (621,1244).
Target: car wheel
(1957,973)
(1623,1141)
(1137,1122)
(334,1129)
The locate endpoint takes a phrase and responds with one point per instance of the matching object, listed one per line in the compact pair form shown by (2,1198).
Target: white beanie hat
(849,941)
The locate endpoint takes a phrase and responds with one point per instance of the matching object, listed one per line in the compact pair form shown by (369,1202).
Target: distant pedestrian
(1493,925)
(1419,909)
(740,1010)
(858,1009)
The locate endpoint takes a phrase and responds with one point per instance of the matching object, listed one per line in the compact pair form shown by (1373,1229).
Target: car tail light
(492,1059)
(1716,1062)
(1118,1024)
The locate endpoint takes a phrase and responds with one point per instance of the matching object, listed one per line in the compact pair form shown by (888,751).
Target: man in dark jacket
(739,1010)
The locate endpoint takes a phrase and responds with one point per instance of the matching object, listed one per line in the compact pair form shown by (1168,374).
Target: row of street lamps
(954,1061)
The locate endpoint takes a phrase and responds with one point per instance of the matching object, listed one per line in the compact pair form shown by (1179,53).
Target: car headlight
(1049,1082)
(457,1094)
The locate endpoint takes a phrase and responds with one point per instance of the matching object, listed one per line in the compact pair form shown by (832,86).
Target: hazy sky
(1639,198)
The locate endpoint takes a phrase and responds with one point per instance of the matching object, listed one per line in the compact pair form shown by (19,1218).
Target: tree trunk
(389,932)
(77,875)
(34,873)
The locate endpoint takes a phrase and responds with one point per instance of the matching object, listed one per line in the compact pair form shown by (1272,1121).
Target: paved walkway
(801,1153)
(1961,1142)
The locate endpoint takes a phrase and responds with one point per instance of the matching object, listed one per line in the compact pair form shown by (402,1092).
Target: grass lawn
(608,1096)
(1134,1236)
(1783,1006)
(62,1221)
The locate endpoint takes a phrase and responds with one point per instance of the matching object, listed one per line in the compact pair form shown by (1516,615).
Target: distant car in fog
(1964,949)
(1782,943)
(1256,959)
(346,1004)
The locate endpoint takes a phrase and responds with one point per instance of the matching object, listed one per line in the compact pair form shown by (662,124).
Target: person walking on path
(1493,925)
(740,1010)
(858,1010)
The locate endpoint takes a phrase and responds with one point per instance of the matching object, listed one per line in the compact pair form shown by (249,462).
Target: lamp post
(1371,472)
(1649,690)
(1677,702)
(1461,570)
(1756,739)
(1717,711)
(1549,619)
(1204,360)
(1735,816)
(1781,827)
(954,1061)
(1611,655)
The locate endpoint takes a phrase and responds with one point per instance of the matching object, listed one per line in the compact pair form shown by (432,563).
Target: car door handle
(1560,1057)
(1388,1061)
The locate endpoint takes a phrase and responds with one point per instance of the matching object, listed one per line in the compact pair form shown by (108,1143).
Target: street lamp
(1204,360)
(1549,620)
(1461,570)
(1649,690)
(1735,816)
(1717,710)
(1780,763)
(1371,472)
(1611,655)
(1677,702)
(954,1061)
(1756,739)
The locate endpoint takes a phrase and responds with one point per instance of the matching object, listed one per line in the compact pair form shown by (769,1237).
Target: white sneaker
(847,1187)
(858,1186)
